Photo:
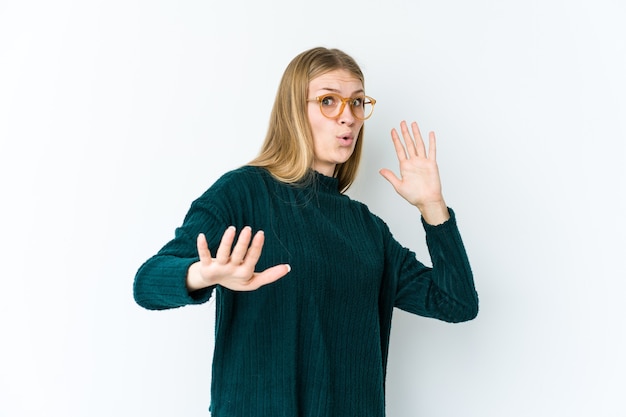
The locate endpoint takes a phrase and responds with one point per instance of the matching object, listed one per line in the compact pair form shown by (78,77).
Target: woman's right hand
(233,270)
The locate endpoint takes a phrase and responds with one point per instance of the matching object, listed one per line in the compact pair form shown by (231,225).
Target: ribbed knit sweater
(315,342)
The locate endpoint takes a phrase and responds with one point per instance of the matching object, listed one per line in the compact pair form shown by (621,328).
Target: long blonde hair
(287,152)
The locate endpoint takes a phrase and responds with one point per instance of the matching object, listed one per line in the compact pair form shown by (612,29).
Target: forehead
(339,80)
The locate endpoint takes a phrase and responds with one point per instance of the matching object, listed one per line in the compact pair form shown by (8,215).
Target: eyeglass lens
(332,105)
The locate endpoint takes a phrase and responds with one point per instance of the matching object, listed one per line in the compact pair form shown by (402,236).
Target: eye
(357,102)
(328,101)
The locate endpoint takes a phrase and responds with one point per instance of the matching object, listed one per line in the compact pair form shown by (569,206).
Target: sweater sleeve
(160,283)
(446,291)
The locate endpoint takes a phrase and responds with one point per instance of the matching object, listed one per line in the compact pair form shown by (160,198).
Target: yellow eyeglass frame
(344,100)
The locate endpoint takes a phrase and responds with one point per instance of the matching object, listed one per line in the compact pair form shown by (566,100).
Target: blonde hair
(287,152)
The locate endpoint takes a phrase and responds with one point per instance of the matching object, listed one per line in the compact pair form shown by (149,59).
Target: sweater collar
(330,183)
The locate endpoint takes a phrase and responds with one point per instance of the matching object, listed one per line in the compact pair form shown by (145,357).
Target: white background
(115,115)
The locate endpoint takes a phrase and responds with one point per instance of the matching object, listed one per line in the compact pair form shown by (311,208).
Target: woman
(305,292)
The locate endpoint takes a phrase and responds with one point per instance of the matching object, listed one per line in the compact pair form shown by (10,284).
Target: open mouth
(345,139)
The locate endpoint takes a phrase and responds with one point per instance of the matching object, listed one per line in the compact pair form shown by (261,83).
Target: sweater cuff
(166,286)
(450,222)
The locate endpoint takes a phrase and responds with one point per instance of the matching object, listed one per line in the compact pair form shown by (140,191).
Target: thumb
(391,177)
(270,275)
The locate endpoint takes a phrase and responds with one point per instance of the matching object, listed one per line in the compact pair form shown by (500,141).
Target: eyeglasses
(332,105)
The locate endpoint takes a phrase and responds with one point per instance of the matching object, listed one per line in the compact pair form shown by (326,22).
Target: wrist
(434,213)
(194,279)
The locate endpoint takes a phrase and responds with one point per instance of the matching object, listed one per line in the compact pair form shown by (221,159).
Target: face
(333,139)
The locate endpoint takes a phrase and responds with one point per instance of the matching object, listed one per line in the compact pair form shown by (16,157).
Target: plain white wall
(115,115)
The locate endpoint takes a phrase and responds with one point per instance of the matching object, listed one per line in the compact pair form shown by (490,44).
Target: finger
(254,252)
(419,142)
(391,177)
(203,249)
(432,146)
(408,140)
(226,244)
(240,249)
(397,144)
(268,276)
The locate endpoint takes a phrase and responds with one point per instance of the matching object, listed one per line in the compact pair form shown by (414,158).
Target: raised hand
(419,182)
(233,270)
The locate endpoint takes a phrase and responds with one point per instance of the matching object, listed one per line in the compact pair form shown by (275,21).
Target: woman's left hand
(419,181)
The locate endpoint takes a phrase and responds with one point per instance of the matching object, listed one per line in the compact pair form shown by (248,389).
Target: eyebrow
(334,90)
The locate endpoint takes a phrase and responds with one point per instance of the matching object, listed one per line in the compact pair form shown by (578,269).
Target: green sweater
(314,343)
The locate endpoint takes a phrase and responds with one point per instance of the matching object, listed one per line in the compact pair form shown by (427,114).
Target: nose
(346,117)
